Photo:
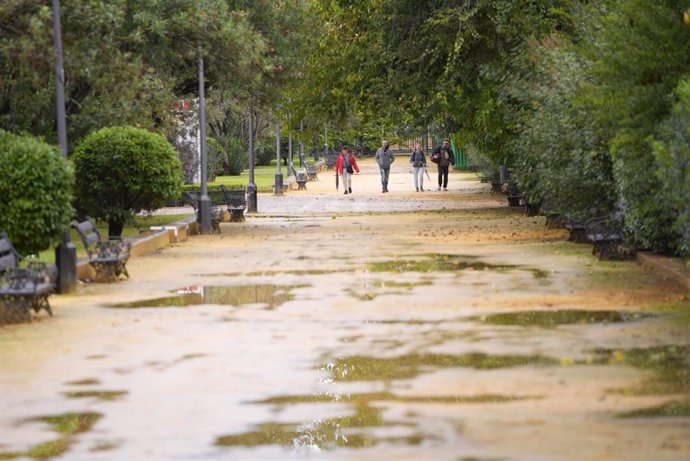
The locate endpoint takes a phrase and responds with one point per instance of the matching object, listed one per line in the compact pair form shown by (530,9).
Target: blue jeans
(385,172)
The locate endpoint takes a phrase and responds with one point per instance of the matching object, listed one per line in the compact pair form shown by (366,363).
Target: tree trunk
(115,229)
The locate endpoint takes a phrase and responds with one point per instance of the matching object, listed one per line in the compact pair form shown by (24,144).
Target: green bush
(216,158)
(121,171)
(237,156)
(672,154)
(265,150)
(35,186)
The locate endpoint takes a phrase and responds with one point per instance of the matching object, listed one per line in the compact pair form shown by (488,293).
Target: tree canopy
(581,99)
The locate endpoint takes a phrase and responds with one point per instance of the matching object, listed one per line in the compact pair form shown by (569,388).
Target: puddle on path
(270,295)
(670,363)
(96,394)
(364,368)
(348,431)
(672,409)
(550,319)
(67,425)
(366,398)
(431,262)
(320,434)
(438,262)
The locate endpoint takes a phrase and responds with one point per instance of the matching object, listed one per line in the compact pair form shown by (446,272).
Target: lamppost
(278,186)
(66,252)
(204,200)
(302,161)
(251,187)
(291,164)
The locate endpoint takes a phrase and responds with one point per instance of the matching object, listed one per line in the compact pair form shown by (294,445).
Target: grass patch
(264,178)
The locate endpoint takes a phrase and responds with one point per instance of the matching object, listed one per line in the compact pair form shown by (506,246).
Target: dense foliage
(120,171)
(35,186)
(581,99)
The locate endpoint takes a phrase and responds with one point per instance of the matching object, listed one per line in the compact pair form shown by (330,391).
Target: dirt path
(406,326)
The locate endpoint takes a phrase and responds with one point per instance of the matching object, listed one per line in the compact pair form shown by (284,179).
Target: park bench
(216,212)
(577,231)
(495,180)
(24,284)
(312,172)
(512,192)
(236,201)
(606,233)
(107,257)
(531,209)
(554,219)
(301,178)
(331,158)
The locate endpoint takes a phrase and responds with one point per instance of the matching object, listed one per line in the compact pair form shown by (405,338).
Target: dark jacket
(418,159)
(447,157)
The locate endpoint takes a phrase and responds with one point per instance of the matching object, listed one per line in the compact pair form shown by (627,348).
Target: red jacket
(339,164)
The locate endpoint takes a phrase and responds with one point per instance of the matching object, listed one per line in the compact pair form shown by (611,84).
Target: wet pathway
(399,327)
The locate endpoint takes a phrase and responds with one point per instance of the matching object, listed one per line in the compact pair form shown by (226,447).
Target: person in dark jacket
(384,157)
(443,156)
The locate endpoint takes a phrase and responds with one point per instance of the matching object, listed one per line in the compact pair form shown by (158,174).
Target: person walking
(418,161)
(345,166)
(443,156)
(384,157)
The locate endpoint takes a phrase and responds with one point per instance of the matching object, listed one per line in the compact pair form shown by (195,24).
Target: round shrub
(120,171)
(35,186)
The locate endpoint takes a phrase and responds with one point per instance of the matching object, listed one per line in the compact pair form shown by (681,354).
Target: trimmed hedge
(121,171)
(35,186)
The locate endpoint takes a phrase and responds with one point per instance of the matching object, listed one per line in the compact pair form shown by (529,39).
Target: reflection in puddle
(431,262)
(347,431)
(362,368)
(366,398)
(560,317)
(84,382)
(671,364)
(100,395)
(673,409)
(67,425)
(318,435)
(436,262)
(271,295)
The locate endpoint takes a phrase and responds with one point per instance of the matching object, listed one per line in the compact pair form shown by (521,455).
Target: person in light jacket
(346,165)
(418,161)
(384,157)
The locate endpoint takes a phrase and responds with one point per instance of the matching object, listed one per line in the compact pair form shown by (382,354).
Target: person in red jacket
(345,166)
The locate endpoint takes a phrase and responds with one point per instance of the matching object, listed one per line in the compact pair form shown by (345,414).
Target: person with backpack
(345,166)
(418,161)
(384,157)
(443,156)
